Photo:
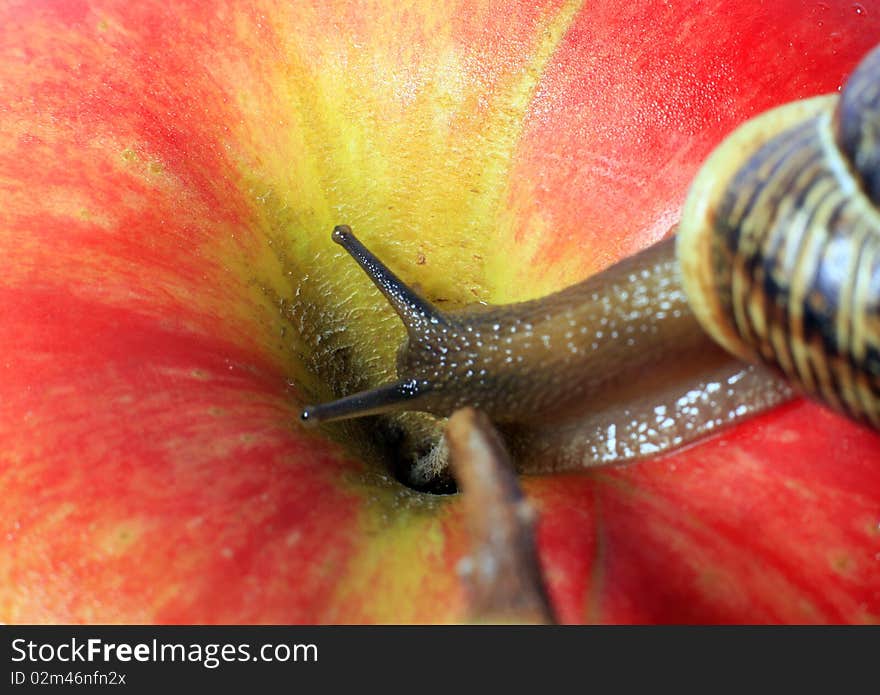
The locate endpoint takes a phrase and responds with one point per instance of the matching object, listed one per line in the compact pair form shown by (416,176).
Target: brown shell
(780,244)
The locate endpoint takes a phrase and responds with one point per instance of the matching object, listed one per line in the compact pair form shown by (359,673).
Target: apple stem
(371,402)
(503,573)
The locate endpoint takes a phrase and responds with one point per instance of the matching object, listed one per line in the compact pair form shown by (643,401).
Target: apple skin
(170,297)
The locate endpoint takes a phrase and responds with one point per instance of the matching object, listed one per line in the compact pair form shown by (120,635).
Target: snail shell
(779,244)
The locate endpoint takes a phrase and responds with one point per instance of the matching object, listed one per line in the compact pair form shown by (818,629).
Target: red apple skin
(152,161)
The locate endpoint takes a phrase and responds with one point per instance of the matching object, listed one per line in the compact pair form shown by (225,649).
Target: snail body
(665,346)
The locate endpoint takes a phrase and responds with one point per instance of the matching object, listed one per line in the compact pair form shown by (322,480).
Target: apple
(169,176)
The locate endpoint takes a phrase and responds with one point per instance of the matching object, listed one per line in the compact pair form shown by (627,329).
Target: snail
(770,287)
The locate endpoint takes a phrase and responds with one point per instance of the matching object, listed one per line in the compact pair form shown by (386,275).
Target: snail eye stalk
(416,314)
(382,399)
(413,310)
